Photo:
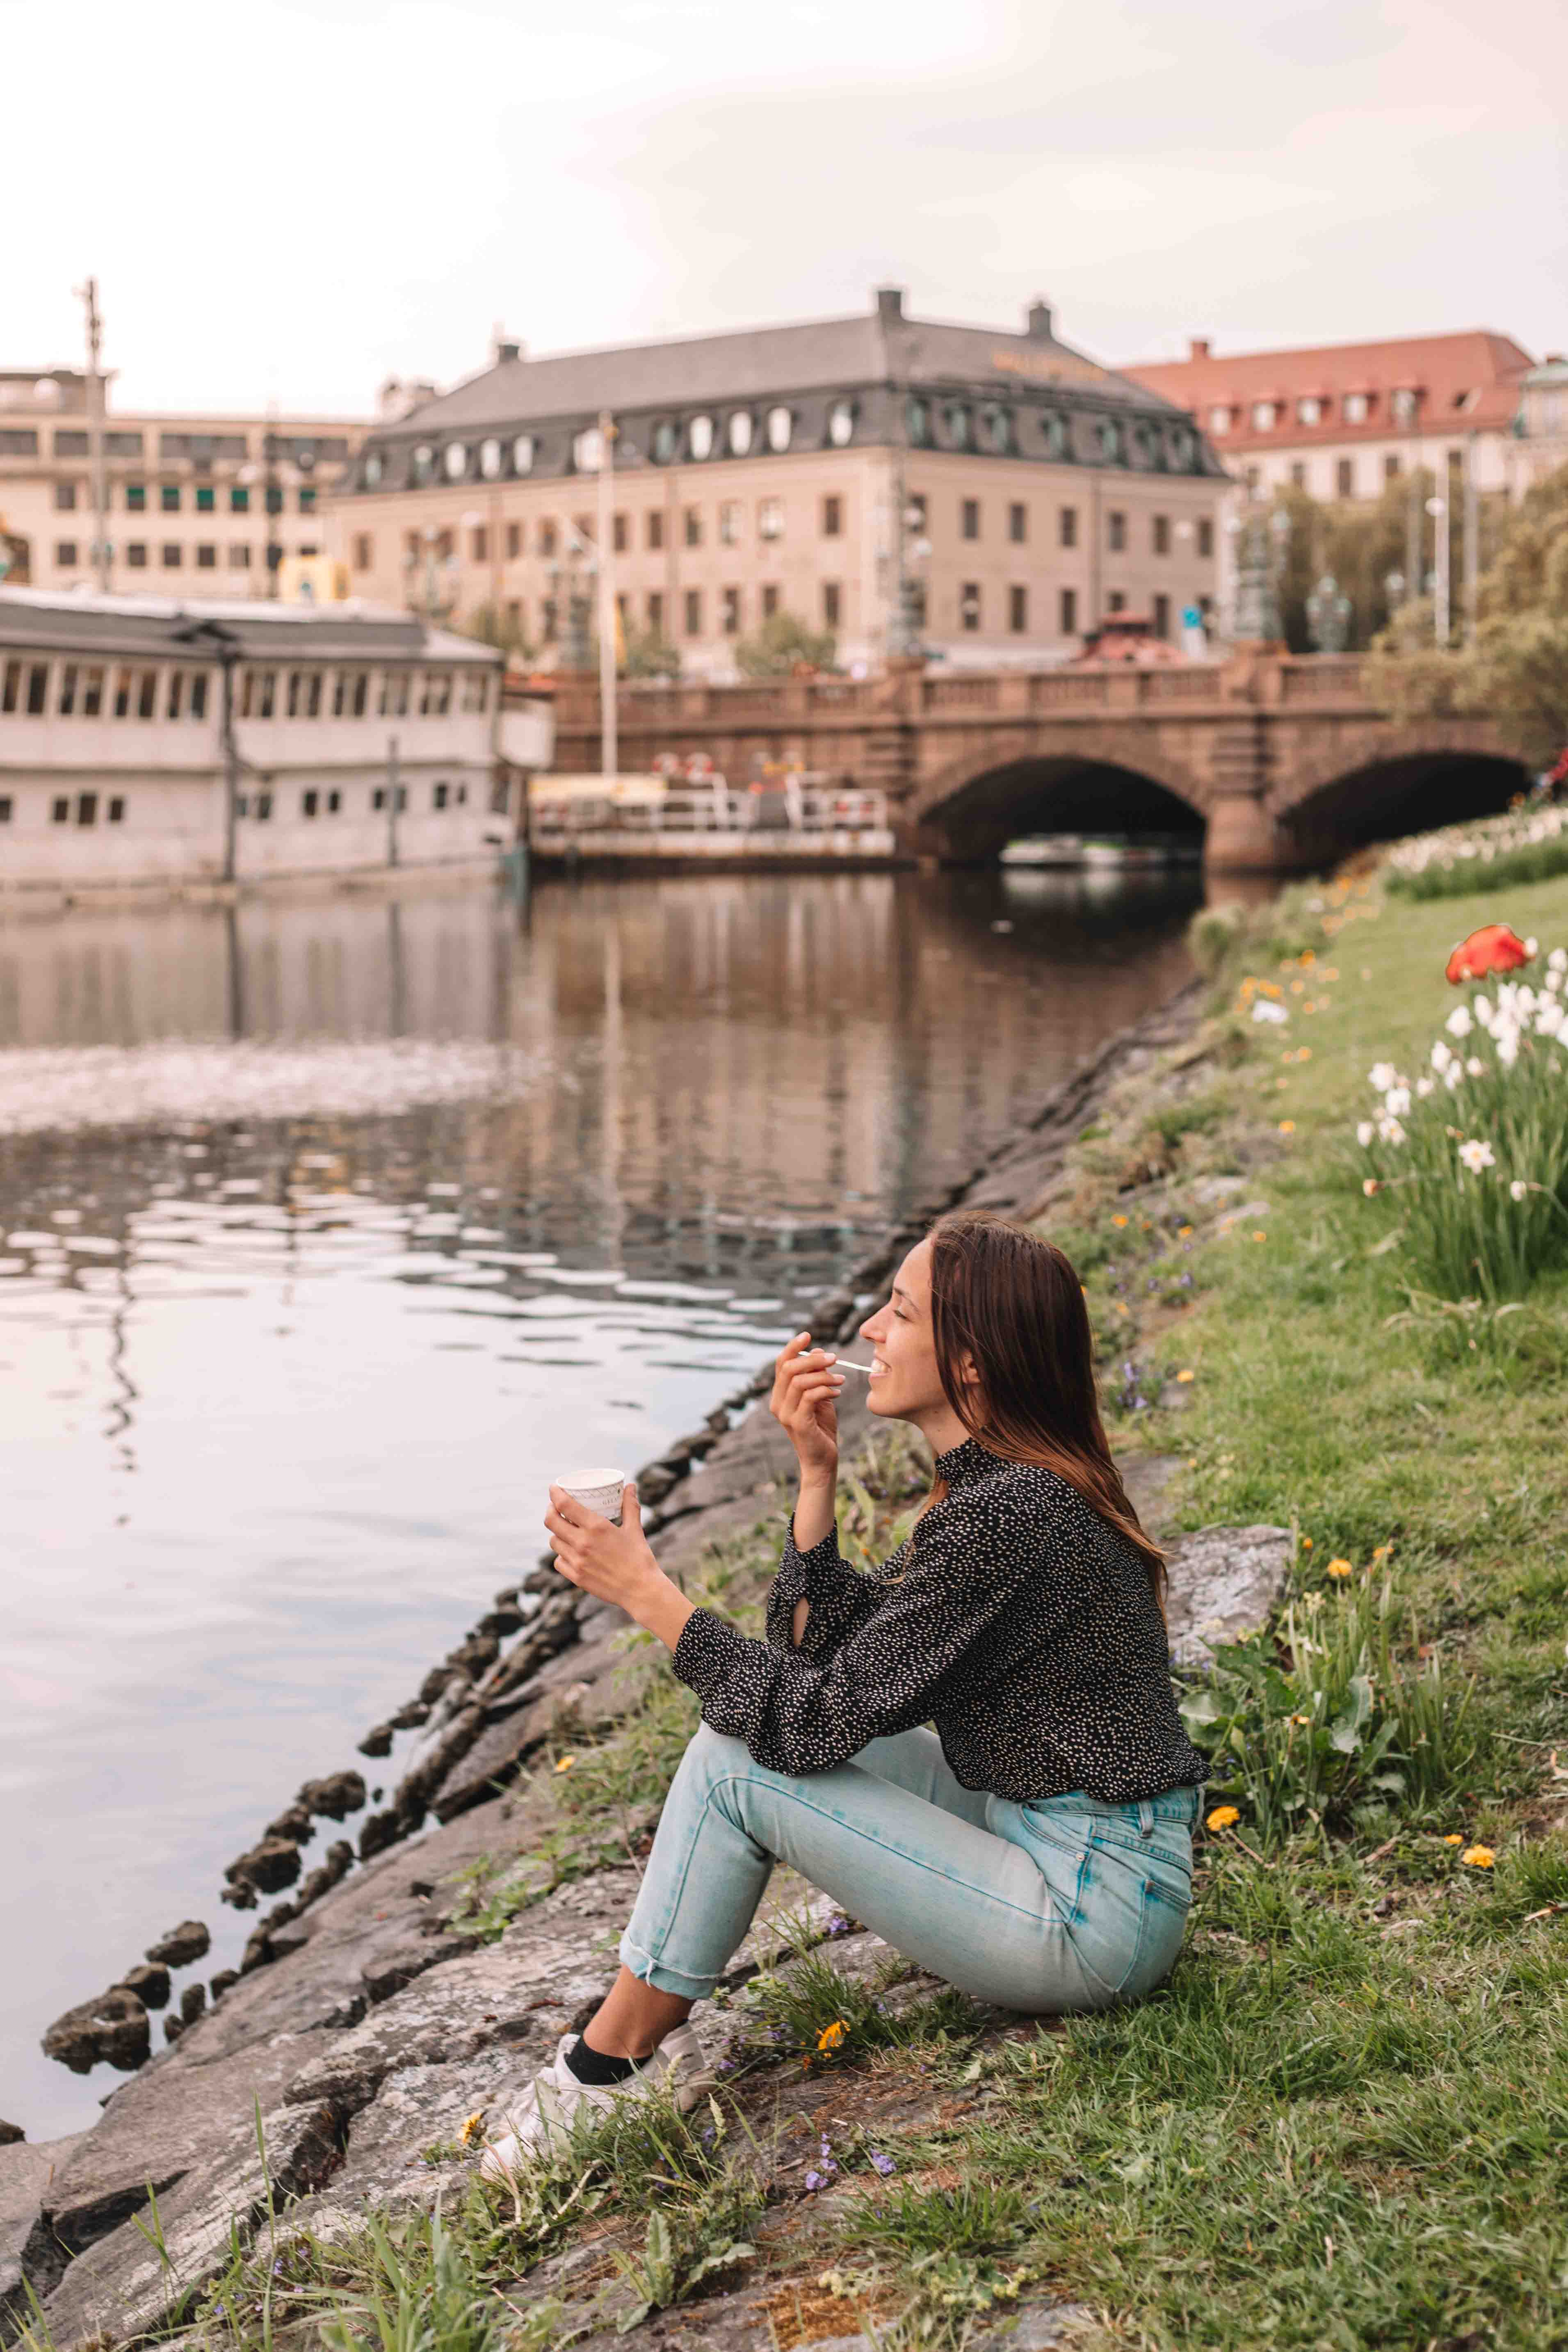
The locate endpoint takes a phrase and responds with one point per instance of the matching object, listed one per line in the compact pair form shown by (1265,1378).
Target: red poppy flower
(1496,947)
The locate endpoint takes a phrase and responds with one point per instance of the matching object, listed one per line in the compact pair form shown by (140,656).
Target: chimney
(1197,347)
(1039,321)
(503,347)
(889,304)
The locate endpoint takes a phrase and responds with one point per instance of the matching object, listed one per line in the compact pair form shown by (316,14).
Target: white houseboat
(145,740)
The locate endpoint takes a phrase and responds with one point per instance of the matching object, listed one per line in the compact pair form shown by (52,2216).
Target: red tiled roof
(1467,382)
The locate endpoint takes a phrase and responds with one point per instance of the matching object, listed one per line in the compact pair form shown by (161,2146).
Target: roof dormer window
(588,450)
(841,423)
(455,458)
(665,444)
(522,453)
(960,425)
(489,459)
(700,438)
(1402,406)
(423,462)
(1309,409)
(781,425)
(372,469)
(1264,416)
(740,431)
(1358,407)
(1219,420)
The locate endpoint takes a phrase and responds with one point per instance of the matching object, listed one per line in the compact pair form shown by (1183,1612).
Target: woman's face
(904,1383)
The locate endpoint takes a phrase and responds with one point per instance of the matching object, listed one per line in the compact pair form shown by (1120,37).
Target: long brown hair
(1012,1302)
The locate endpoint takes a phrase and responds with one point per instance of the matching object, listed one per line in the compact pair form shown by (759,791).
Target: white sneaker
(551,2102)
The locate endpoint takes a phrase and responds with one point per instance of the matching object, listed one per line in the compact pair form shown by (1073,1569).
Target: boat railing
(794,803)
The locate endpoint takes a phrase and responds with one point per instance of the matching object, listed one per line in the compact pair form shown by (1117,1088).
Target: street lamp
(1438,511)
(439,588)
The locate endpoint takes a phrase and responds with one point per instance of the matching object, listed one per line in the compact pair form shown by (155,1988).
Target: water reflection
(330,1226)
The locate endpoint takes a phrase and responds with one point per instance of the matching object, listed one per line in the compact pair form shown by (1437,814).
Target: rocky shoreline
(362,2030)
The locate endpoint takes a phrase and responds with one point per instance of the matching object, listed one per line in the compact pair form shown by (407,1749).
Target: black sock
(594,2067)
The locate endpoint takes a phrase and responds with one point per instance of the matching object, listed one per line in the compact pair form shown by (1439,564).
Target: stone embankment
(363,2030)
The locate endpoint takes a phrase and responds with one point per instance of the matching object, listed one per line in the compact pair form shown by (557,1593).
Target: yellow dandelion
(1479,1857)
(1119,1221)
(564,1763)
(1453,1839)
(1186,1376)
(1221,1818)
(1286,1127)
(1340,1568)
(471,2128)
(832,2035)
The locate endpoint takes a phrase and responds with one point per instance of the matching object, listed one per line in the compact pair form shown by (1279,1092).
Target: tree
(491,625)
(649,654)
(1516,671)
(782,644)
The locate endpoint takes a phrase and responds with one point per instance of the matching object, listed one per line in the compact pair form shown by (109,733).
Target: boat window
(67,703)
(147,695)
(340,692)
(246,695)
(176,693)
(198,692)
(476,692)
(295,701)
(11,689)
(267,695)
(92,693)
(37,689)
(361,692)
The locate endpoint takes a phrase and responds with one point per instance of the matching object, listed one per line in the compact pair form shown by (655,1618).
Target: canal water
(332,1227)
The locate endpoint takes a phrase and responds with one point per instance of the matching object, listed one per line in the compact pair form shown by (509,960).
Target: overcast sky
(290,202)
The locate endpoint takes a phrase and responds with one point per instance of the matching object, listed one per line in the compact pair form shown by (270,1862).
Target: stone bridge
(1277,763)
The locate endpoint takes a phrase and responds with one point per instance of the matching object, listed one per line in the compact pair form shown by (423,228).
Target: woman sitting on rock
(1035,1849)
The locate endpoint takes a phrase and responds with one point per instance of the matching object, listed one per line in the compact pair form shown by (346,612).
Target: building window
(240,559)
(168,497)
(500,796)
(436,702)
(513,540)
(694,612)
(92,694)
(239,499)
(147,695)
(549,620)
(37,690)
(116,809)
(272,498)
(769,601)
(173,555)
(1358,407)
(64,554)
(87,808)
(122,693)
(1115,602)
(515,620)
(266,694)
(334,802)
(547,539)
(207,498)
(832,517)
(476,690)
(198,694)
(206,558)
(1018,523)
(67,703)
(654,530)
(1067,527)
(969,606)
(307,499)
(136,555)
(1205,535)
(364,546)
(394,694)
(1391,466)
(310,803)
(693,525)
(1018,610)
(1162,616)
(5,808)
(620,533)
(1344,478)
(61,811)
(1297,474)
(730,523)
(1160,534)
(730,611)
(1116,531)
(769,519)
(263,807)
(655,611)
(440,796)
(969,523)
(831,603)
(135,497)
(1066,612)
(65,497)
(176,694)
(479,544)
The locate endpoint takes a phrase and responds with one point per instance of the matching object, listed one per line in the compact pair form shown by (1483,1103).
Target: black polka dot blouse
(1014,1618)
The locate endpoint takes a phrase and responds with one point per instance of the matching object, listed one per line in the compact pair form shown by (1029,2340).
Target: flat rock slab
(172,2119)
(27,2175)
(126,2283)
(1224,1582)
(329,1983)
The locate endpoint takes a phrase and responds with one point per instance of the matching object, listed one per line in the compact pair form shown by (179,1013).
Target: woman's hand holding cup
(805,1404)
(611,1557)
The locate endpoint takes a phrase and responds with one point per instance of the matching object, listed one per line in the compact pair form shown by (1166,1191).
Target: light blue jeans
(1060,1904)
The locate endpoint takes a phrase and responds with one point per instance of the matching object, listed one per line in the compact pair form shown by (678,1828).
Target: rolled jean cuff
(653,1972)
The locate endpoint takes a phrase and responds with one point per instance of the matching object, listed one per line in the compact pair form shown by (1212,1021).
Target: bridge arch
(971,805)
(1410,783)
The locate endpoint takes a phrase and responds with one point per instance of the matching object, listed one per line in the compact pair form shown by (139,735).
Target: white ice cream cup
(600,1490)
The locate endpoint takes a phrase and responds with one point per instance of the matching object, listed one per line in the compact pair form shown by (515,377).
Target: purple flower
(813,2180)
(838,1924)
(884,2163)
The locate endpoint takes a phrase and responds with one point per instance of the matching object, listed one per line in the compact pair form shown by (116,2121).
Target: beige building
(196,505)
(993,495)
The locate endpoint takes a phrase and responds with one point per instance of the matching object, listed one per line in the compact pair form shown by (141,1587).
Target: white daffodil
(1558,960)
(1383,1075)
(1452,1076)
(1517,1189)
(1533,948)
(1477,1156)
(1396,1101)
(1364,1133)
(1441,1055)
(1459,1024)
(1474,1068)
(1390,1132)
(1481,1006)
(1506,1044)
(1264,1010)
(1425,1086)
